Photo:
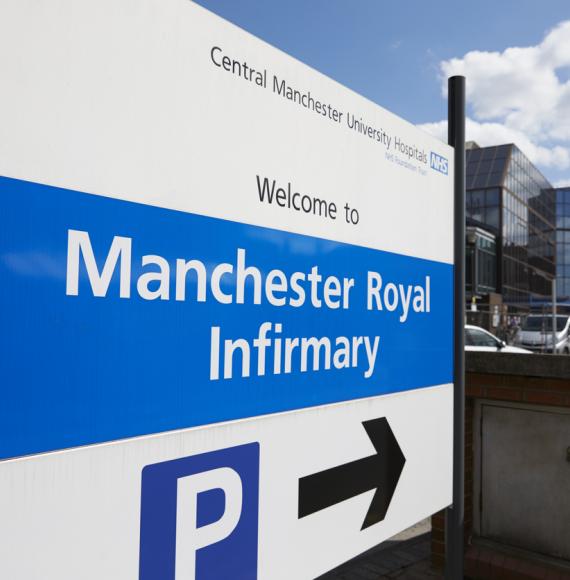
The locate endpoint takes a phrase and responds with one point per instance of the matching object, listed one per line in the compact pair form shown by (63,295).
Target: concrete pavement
(405,556)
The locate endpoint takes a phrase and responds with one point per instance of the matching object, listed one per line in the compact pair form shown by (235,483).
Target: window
(492,197)
(481,338)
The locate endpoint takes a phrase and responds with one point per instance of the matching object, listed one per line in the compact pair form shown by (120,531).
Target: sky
(515,55)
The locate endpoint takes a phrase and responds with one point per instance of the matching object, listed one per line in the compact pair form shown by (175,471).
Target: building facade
(563,246)
(510,199)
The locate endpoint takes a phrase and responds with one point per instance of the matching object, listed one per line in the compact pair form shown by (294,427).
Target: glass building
(480,262)
(563,245)
(508,197)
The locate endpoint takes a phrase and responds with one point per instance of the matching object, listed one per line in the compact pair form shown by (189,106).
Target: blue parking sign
(199,516)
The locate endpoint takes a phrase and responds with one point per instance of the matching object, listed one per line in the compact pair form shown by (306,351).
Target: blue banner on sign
(121,319)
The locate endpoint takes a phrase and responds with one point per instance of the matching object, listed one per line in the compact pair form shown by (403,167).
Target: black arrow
(380,471)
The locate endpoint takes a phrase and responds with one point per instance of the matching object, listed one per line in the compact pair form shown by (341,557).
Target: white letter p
(189,537)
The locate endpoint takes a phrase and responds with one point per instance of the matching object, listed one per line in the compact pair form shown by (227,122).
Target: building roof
(502,166)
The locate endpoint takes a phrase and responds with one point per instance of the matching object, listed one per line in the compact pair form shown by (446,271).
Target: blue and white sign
(170,320)
(225,280)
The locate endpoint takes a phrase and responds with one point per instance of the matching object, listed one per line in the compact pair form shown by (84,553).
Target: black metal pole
(454,516)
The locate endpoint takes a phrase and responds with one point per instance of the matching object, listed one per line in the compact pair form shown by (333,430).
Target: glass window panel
(480,180)
(492,216)
(492,197)
(476,214)
(503,150)
(526,182)
(477,198)
(468,266)
(474,155)
(563,221)
(498,165)
(495,178)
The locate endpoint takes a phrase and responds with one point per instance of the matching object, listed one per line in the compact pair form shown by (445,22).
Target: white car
(478,339)
(536,333)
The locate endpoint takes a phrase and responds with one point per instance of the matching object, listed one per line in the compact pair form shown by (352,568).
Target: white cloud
(557,156)
(518,96)
(562,183)
(520,86)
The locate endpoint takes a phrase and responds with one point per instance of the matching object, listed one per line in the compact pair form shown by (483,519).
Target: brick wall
(533,379)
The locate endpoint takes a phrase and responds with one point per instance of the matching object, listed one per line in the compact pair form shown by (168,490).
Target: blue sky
(396,54)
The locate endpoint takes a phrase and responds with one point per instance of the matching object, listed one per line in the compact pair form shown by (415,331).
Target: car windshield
(539,323)
(478,337)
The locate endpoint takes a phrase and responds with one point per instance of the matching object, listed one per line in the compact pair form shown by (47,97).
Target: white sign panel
(226,303)
(80,511)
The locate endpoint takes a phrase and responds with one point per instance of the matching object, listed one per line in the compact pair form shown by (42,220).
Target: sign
(99,499)
(226,307)
(199,515)
(379,472)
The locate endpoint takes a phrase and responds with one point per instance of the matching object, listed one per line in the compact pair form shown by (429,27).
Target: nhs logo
(438,163)
(199,516)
